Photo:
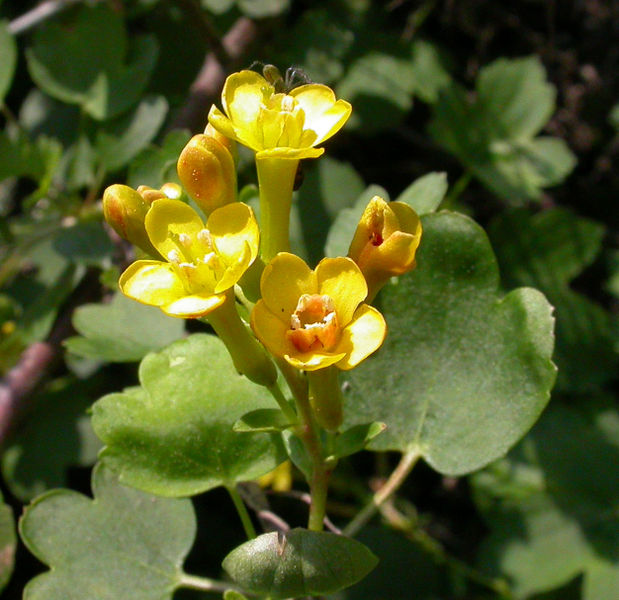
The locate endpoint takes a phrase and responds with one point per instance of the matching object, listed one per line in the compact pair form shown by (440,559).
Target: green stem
(248,526)
(283,403)
(206,584)
(248,355)
(396,479)
(458,188)
(276,182)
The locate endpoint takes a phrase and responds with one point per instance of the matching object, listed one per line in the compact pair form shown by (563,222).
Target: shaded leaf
(57,436)
(173,435)
(262,8)
(87,62)
(8,52)
(430,76)
(121,331)
(299,563)
(547,251)
(356,438)
(426,193)
(106,546)
(263,419)
(8,543)
(464,372)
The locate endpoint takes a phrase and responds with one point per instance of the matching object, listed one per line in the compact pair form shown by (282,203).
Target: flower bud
(125,210)
(385,242)
(206,170)
(227,142)
(173,191)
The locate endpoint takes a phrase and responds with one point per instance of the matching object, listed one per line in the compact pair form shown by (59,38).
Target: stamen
(174,256)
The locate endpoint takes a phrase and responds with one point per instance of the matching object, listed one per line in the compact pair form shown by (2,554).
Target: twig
(38,14)
(210,79)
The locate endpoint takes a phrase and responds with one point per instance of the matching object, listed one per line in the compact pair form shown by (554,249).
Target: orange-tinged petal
(323,114)
(191,307)
(312,361)
(396,255)
(166,220)
(363,335)
(232,227)
(270,330)
(151,282)
(342,280)
(284,280)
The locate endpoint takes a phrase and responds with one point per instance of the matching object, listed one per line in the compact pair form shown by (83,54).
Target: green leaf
(58,435)
(297,453)
(547,251)
(426,193)
(156,165)
(233,595)
(121,331)
(109,545)
(218,6)
(85,243)
(343,229)
(464,372)
(8,543)
(173,435)
(87,62)
(536,502)
(121,140)
(356,438)
(8,52)
(430,76)
(380,86)
(263,419)
(329,186)
(258,9)
(299,563)
(493,135)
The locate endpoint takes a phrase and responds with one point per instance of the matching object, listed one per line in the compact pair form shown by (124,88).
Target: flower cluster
(313,320)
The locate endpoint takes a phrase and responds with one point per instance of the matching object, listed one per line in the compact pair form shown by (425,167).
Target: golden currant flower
(314,319)
(278,125)
(385,242)
(202,261)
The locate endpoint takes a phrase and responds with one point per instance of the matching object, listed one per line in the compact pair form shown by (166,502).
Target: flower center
(313,324)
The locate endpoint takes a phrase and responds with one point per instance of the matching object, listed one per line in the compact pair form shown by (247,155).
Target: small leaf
(58,435)
(84,243)
(464,371)
(234,595)
(106,546)
(356,438)
(425,194)
(263,419)
(299,563)
(429,73)
(173,435)
(8,543)
(120,141)
(121,331)
(297,454)
(8,52)
(259,9)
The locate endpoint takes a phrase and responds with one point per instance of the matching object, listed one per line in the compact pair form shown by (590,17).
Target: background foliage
(511,105)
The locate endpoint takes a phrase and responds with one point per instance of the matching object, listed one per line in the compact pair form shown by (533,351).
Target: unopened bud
(225,141)
(385,242)
(206,170)
(173,191)
(125,210)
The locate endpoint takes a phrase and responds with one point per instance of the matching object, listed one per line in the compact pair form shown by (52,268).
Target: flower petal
(234,270)
(284,280)
(408,219)
(342,280)
(166,220)
(244,95)
(294,153)
(191,307)
(151,282)
(221,123)
(312,361)
(363,335)
(323,114)
(270,330)
(232,227)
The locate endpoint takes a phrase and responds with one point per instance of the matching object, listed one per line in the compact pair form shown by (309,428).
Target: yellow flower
(278,125)
(203,261)
(314,319)
(385,242)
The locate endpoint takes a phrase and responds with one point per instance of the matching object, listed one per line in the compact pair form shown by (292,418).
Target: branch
(210,79)
(38,14)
